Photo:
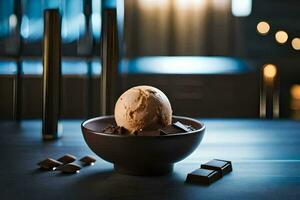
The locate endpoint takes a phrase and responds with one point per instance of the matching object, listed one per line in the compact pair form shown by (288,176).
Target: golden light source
(263,28)
(296,43)
(281,37)
(269,71)
(295,91)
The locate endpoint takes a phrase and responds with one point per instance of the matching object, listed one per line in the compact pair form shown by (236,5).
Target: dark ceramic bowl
(141,155)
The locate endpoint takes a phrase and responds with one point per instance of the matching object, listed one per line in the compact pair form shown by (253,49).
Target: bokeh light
(281,37)
(296,43)
(269,71)
(263,28)
(295,91)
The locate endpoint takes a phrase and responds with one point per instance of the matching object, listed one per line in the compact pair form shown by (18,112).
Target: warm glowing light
(296,43)
(270,71)
(295,92)
(241,8)
(281,37)
(263,28)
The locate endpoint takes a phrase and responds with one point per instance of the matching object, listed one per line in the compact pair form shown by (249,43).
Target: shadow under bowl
(141,155)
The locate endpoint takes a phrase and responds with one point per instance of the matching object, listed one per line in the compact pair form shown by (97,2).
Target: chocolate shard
(117,130)
(169,130)
(181,126)
(88,160)
(223,166)
(49,164)
(109,130)
(203,176)
(67,159)
(70,168)
(190,127)
(120,130)
(174,128)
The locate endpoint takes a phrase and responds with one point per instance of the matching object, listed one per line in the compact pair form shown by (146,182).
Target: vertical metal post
(17,97)
(109,56)
(51,73)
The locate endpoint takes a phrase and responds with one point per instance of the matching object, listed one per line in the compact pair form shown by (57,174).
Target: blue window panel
(8,67)
(35,67)
(6,17)
(74,68)
(96,67)
(73,19)
(109,3)
(184,65)
(96,18)
(32,67)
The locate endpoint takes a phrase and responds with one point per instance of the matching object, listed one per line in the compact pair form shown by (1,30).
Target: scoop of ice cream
(143,108)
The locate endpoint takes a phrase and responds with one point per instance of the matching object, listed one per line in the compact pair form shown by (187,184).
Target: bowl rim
(83,128)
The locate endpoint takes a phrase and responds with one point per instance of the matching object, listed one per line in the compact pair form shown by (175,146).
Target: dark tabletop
(265,156)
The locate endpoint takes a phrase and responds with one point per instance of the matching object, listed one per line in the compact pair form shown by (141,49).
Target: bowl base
(156,170)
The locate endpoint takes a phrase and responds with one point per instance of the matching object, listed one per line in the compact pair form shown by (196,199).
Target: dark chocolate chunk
(175,128)
(49,164)
(223,166)
(70,168)
(67,159)
(116,130)
(88,160)
(109,130)
(203,176)
(181,126)
(190,128)
(169,130)
(121,130)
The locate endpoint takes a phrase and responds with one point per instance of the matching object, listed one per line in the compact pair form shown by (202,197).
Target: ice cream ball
(143,108)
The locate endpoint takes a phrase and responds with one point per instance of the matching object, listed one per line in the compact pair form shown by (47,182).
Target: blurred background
(213,58)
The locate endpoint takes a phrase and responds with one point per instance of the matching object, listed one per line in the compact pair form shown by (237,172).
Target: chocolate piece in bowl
(174,128)
(116,130)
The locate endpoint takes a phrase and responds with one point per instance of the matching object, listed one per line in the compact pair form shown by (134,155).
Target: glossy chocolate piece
(181,126)
(67,159)
(49,164)
(174,128)
(88,160)
(223,166)
(70,168)
(203,176)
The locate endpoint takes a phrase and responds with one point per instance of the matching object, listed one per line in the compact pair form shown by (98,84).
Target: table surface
(265,156)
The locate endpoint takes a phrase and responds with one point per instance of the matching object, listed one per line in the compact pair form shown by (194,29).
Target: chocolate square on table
(223,166)
(67,158)
(203,176)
